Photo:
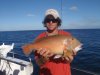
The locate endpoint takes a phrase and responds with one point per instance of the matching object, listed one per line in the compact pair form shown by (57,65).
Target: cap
(52,12)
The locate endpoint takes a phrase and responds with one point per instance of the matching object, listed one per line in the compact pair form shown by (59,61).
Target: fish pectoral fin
(67,54)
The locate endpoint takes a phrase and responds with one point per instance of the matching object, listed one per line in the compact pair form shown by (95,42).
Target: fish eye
(72,38)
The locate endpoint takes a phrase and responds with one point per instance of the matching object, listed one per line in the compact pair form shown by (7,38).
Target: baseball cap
(52,12)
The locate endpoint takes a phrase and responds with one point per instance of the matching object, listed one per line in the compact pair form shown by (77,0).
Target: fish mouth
(79,47)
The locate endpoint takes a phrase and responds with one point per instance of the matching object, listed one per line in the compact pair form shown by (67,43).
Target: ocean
(87,59)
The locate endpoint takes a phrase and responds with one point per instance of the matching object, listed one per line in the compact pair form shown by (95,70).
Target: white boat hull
(14,66)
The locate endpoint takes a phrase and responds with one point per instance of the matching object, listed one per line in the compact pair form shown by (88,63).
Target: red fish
(58,44)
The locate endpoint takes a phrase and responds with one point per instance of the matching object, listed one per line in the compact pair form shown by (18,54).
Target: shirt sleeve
(62,32)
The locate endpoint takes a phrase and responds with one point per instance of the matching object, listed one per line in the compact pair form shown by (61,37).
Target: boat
(11,65)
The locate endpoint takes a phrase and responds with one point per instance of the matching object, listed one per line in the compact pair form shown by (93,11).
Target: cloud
(73,8)
(30,14)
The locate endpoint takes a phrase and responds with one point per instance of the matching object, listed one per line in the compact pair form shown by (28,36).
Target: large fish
(57,44)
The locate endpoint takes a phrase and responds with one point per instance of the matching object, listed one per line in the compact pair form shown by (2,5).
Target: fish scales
(57,44)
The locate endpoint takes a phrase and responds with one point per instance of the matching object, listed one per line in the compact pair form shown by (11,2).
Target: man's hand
(69,59)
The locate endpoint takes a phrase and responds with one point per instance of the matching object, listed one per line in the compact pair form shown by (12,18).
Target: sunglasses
(49,20)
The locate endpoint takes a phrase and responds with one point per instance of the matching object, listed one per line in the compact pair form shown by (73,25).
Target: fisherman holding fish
(50,44)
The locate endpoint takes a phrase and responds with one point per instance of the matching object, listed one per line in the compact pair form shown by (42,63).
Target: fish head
(74,44)
(78,45)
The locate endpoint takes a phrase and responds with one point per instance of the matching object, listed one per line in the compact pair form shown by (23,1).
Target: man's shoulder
(41,35)
(63,32)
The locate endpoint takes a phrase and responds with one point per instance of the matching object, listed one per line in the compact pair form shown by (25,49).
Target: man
(57,66)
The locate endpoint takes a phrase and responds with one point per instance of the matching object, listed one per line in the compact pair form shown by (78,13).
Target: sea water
(86,59)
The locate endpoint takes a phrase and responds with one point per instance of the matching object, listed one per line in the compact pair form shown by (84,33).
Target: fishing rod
(61,9)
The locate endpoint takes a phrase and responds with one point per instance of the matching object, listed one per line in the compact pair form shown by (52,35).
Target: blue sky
(29,14)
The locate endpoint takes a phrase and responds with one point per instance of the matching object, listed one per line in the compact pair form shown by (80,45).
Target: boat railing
(76,71)
(18,55)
